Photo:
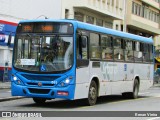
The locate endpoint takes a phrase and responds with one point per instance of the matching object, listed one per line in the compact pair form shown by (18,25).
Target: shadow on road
(67,104)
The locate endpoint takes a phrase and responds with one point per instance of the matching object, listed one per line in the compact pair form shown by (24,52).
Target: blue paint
(43,68)
(125,67)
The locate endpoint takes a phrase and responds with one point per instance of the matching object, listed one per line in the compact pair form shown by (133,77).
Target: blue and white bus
(72,60)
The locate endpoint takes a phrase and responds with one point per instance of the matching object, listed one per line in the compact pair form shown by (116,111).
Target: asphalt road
(148,101)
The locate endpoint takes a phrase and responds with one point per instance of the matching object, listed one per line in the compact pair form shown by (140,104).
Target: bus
(69,59)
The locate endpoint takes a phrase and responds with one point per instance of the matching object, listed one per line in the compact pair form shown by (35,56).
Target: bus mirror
(9,40)
(84,41)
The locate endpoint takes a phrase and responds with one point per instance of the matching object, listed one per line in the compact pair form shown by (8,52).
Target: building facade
(139,17)
(143,18)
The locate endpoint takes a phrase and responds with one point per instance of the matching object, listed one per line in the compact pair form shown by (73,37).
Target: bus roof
(86,26)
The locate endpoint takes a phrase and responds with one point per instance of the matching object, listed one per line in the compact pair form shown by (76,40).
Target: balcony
(101,7)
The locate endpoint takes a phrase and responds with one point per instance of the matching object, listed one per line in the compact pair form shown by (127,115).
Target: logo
(6,114)
(43,68)
(39,84)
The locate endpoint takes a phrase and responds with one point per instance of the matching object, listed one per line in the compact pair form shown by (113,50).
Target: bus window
(95,52)
(146,57)
(128,50)
(106,47)
(138,52)
(82,51)
(151,53)
(118,49)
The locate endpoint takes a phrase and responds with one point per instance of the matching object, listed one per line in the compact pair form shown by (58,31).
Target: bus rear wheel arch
(134,94)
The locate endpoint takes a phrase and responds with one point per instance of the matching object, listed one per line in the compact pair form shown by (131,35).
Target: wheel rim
(93,93)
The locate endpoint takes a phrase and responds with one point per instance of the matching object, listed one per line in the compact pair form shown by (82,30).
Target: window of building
(136,9)
(158,1)
(145,12)
(108,25)
(90,19)
(66,13)
(99,22)
(79,16)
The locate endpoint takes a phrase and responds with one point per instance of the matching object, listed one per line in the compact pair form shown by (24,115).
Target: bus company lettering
(108,69)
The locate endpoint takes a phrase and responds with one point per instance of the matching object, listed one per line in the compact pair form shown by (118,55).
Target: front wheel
(92,94)
(39,100)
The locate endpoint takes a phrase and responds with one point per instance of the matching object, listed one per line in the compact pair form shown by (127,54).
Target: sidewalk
(5,92)
(5,85)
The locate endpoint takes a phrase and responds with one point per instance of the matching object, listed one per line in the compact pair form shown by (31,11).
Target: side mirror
(83,41)
(9,39)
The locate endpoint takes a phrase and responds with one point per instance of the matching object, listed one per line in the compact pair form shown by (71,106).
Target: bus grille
(39,91)
(36,84)
(40,78)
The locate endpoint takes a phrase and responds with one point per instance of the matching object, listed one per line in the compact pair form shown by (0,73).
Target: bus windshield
(43,53)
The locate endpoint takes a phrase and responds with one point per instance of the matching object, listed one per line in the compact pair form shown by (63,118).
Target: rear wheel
(92,94)
(134,94)
(135,89)
(39,100)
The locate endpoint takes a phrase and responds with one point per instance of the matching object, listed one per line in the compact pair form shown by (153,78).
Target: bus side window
(151,53)
(128,50)
(95,49)
(106,47)
(146,57)
(82,51)
(138,57)
(118,49)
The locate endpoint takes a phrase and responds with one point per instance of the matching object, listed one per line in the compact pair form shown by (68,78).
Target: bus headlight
(65,82)
(17,80)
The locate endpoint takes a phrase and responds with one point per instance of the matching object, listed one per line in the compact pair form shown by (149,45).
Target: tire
(92,94)
(39,100)
(135,89)
(134,94)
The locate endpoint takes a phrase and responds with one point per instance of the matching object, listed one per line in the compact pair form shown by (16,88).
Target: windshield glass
(43,53)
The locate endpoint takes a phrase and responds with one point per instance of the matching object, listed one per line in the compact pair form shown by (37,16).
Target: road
(148,101)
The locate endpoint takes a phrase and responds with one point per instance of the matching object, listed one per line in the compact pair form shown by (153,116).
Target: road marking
(155,118)
(144,93)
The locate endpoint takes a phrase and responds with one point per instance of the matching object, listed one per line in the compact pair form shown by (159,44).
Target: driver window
(82,47)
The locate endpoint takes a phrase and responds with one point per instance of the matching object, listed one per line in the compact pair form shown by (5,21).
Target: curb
(5,87)
(10,98)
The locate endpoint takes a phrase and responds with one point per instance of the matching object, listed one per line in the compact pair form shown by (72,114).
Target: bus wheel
(135,89)
(39,100)
(134,94)
(92,94)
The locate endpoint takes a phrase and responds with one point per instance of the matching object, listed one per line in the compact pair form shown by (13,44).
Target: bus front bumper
(43,92)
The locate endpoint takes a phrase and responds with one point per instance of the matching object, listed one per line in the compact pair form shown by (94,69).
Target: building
(99,12)
(143,18)
(139,17)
